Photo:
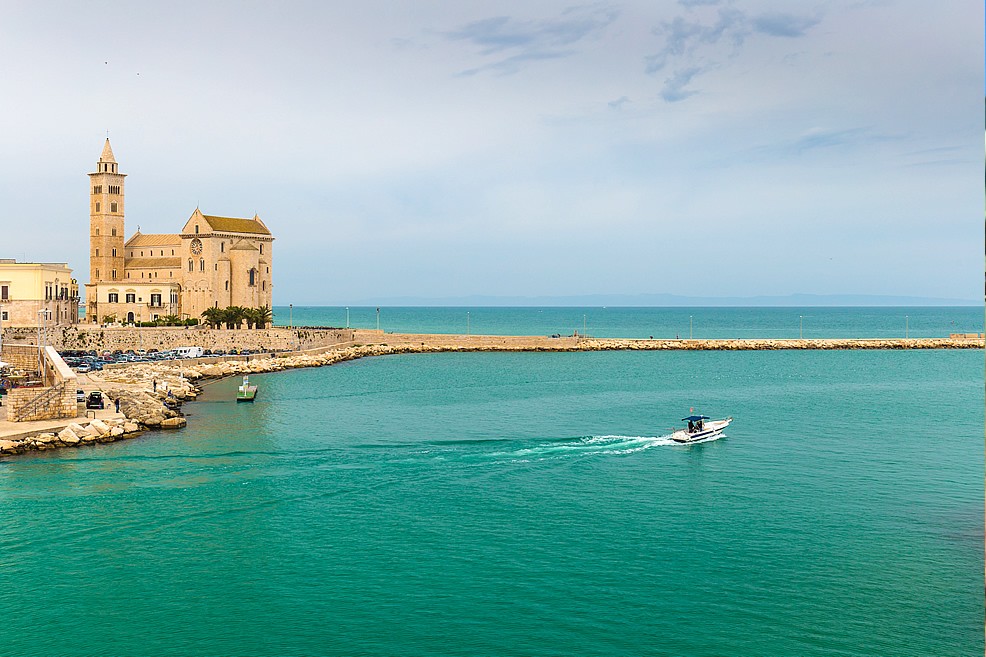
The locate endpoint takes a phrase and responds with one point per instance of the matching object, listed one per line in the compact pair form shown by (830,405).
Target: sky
(438,149)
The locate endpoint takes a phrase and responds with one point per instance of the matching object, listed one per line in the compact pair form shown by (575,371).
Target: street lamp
(291,315)
(467,322)
(689,327)
(378,319)
(347,316)
(801,331)
(906,327)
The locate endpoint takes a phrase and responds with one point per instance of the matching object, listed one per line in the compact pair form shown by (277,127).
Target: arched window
(114,253)
(113,231)
(227,286)
(196,229)
(191,265)
(113,207)
(253,277)
(201,264)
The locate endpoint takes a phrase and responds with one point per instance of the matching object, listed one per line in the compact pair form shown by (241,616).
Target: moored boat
(701,428)
(246,392)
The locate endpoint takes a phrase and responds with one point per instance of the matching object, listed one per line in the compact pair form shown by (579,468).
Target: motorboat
(246,392)
(700,429)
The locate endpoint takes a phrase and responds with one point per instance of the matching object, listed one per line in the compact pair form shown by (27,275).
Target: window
(97,206)
(263,286)
(97,253)
(131,297)
(97,189)
(114,189)
(113,206)
(196,229)
(114,253)
(162,252)
(141,254)
(261,249)
(227,285)
(97,231)
(172,251)
(142,274)
(253,277)
(217,266)
(114,297)
(114,274)
(113,231)
(4,316)
(222,247)
(201,264)
(191,267)
(156,300)
(97,273)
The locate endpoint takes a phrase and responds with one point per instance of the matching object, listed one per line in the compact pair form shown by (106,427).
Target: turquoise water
(520,504)
(618,322)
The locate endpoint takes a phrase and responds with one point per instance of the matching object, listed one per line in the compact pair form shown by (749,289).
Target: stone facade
(214,262)
(57,397)
(85,336)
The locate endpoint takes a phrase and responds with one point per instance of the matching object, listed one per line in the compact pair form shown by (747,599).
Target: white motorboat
(700,429)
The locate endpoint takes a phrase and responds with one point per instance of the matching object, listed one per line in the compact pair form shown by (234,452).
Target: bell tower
(106,220)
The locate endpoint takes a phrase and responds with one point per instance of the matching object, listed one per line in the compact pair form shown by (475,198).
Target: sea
(529,504)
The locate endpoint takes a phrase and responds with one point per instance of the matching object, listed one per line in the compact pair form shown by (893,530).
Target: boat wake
(586,446)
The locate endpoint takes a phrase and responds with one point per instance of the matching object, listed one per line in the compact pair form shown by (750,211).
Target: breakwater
(143,387)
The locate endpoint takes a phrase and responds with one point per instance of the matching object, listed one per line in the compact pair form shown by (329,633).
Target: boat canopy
(695,418)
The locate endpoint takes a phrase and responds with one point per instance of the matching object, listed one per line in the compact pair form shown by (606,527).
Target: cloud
(619,102)
(694,44)
(674,87)
(784,25)
(515,43)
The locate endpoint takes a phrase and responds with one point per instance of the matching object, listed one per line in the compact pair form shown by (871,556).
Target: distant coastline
(667,301)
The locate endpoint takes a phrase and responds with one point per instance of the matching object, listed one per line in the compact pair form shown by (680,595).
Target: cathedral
(214,262)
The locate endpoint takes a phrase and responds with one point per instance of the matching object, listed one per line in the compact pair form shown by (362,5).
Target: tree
(214,317)
(170,320)
(264,317)
(233,316)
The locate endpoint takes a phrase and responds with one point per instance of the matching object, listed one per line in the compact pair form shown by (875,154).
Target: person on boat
(700,425)
(691,427)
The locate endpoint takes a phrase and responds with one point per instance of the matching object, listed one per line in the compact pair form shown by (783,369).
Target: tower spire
(107,155)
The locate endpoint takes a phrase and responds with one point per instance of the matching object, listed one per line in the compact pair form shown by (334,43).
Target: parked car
(83,368)
(80,396)
(95,400)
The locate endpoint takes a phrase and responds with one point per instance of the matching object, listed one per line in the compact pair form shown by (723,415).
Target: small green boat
(246,392)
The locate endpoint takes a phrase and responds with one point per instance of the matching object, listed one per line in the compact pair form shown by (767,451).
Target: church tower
(106,220)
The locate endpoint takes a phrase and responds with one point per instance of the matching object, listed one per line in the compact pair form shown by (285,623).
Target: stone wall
(110,338)
(59,377)
(20,356)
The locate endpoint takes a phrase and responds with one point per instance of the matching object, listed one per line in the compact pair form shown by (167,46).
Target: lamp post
(689,327)
(583,325)
(801,331)
(347,316)
(378,318)
(467,322)
(291,315)
(906,327)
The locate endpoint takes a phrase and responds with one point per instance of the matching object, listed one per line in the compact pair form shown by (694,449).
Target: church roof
(243,245)
(152,263)
(236,225)
(107,155)
(154,239)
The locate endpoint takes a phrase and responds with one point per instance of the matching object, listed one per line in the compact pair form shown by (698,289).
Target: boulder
(8,446)
(116,431)
(45,438)
(89,437)
(154,420)
(100,426)
(130,427)
(68,436)
(173,423)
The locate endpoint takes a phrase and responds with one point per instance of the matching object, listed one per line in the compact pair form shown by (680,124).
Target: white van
(188,352)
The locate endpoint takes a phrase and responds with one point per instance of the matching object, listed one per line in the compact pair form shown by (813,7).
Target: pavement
(11,430)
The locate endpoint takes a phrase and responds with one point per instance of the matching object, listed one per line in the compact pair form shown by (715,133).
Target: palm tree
(214,317)
(233,316)
(264,316)
(170,320)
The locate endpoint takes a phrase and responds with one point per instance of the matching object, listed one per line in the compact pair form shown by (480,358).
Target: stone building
(37,292)
(213,262)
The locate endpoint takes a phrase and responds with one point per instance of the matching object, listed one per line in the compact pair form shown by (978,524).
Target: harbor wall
(169,337)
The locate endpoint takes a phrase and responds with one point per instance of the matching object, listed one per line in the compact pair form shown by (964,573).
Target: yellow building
(214,262)
(33,292)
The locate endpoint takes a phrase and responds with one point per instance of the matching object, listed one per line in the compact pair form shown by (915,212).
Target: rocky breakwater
(144,390)
(77,434)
